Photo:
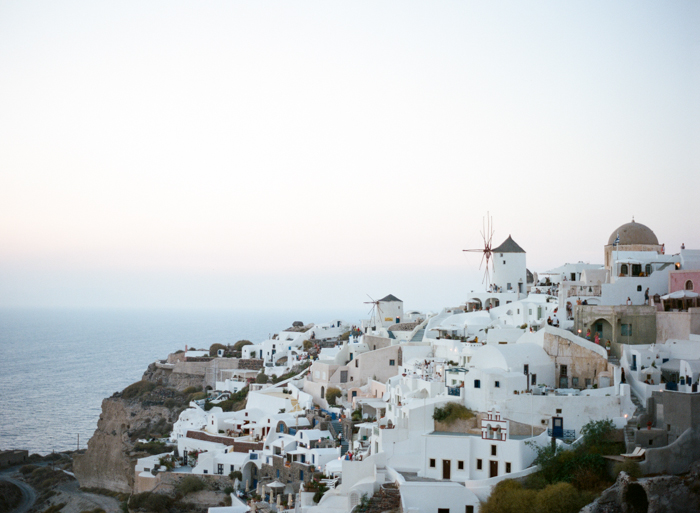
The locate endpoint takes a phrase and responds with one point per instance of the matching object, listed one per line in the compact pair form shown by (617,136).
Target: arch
(689,285)
(250,475)
(603,328)
(636,498)
(354,499)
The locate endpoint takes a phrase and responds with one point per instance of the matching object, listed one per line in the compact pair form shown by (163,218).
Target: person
(588,334)
(683,245)
(646,296)
(629,301)
(622,376)
(597,338)
(549,321)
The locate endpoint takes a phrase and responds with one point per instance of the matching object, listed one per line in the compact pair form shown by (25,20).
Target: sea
(57,365)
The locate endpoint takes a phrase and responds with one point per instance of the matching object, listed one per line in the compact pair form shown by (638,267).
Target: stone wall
(642,319)
(581,363)
(250,363)
(677,325)
(166,482)
(288,472)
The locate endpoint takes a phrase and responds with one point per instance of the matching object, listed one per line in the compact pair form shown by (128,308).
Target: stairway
(418,337)
(388,498)
(335,427)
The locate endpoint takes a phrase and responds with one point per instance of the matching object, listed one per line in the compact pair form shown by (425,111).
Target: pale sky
(305,154)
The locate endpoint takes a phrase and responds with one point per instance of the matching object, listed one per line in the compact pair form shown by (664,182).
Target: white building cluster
(533,358)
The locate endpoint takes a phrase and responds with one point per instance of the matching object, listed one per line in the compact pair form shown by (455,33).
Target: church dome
(634,234)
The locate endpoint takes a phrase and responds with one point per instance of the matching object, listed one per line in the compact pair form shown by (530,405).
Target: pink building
(684,280)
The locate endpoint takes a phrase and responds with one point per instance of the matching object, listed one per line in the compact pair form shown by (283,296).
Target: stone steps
(388,498)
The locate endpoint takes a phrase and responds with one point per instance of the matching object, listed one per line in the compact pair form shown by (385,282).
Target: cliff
(146,409)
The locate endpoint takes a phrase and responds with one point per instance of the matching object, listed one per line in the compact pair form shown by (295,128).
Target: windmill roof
(508,246)
(390,298)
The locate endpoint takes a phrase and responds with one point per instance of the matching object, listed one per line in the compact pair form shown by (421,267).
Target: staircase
(418,337)
(335,427)
(388,498)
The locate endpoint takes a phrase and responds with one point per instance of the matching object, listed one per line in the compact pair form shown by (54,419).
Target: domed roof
(634,233)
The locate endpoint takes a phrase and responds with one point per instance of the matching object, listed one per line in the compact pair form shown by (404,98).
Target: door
(557,427)
(446,467)
(493,469)
(634,362)
(563,382)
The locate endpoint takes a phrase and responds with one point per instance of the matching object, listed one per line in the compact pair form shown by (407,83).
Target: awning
(680,294)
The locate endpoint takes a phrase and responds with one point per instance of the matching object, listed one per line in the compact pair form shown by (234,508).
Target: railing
(569,434)
(453,391)
(584,290)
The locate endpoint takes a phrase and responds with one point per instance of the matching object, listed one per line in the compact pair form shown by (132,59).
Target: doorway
(493,469)
(557,427)
(446,468)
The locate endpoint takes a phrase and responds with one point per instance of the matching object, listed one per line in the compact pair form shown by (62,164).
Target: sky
(264,154)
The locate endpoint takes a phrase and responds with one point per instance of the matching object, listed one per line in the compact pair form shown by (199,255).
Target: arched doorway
(604,330)
(250,475)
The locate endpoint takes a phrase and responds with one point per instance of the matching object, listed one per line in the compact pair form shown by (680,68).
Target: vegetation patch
(43,478)
(332,394)
(148,501)
(190,484)
(137,389)
(452,412)
(151,447)
(510,496)
(234,403)
(10,496)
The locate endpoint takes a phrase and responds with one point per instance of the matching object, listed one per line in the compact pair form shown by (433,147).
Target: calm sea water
(56,366)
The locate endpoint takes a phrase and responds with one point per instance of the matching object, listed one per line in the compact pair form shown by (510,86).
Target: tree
(332,394)
(262,378)
(239,345)
(214,349)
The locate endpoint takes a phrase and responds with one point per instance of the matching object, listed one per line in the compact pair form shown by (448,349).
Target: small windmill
(486,251)
(375,310)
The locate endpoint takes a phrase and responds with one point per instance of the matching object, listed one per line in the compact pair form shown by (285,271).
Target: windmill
(375,310)
(486,251)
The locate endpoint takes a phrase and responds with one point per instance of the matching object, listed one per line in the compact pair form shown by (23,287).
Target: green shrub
(261,378)
(198,396)
(148,501)
(138,389)
(236,474)
(559,498)
(151,447)
(214,349)
(451,412)
(345,336)
(628,466)
(228,489)
(332,394)
(509,496)
(191,390)
(27,469)
(190,484)
(239,345)
(307,344)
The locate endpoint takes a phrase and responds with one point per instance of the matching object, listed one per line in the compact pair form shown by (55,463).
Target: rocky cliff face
(143,410)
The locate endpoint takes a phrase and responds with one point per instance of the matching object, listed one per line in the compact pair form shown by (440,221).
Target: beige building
(620,324)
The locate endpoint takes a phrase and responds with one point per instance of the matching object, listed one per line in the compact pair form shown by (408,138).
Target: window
(526,369)
(477,383)
(588,382)
(533,379)
(636,269)
(558,411)
(443,510)
(392,363)
(206,471)
(220,469)
(507,468)
(563,370)
(432,462)
(493,450)
(648,269)
(504,262)
(278,472)
(231,468)
(497,384)
(460,465)
(626,330)
(639,288)
(469,509)
(301,475)
(688,285)
(508,286)
(573,277)
(624,269)
(479,465)
(518,310)
(574,382)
